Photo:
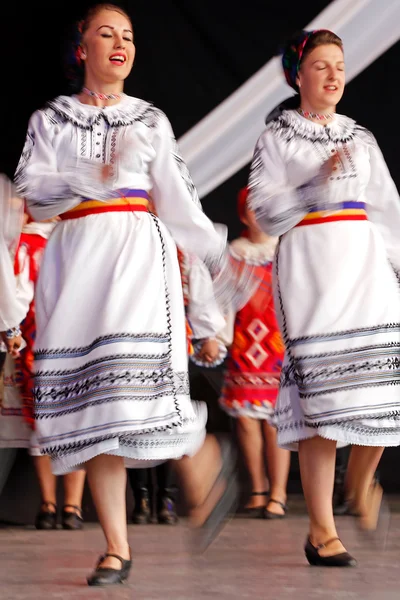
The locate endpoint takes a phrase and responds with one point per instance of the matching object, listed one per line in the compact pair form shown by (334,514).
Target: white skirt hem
(135,458)
(288,440)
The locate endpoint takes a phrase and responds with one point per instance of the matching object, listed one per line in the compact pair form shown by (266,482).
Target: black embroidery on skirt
(40,354)
(346,332)
(125,440)
(353,425)
(167,306)
(100,383)
(344,388)
(103,360)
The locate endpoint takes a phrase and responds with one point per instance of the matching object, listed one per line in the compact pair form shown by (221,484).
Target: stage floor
(251,559)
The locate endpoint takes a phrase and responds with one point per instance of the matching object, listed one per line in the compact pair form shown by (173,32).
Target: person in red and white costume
(253,372)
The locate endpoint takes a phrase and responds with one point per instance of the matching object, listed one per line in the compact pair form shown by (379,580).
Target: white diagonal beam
(223,142)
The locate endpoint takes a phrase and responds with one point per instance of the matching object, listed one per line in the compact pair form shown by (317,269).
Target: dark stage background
(191,55)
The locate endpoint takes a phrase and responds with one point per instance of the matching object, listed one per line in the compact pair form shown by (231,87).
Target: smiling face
(108,50)
(321,78)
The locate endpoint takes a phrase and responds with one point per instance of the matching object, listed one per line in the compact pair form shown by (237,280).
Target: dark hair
(290,103)
(321,38)
(74,66)
(299,46)
(93,11)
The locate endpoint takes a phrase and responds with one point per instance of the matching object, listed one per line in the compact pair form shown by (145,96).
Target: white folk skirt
(338,302)
(111,365)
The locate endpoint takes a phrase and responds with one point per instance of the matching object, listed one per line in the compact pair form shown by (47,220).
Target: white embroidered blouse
(68,143)
(287,179)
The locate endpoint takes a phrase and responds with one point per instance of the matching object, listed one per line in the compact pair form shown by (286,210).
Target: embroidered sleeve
(383,203)
(278,205)
(176,200)
(48,190)
(204,313)
(11,211)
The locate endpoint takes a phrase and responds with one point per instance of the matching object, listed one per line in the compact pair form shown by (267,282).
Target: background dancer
(17,416)
(252,375)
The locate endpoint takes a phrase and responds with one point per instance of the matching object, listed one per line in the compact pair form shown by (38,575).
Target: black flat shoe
(46,519)
(255,512)
(344,559)
(345,508)
(141,513)
(166,511)
(72,520)
(107,576)
(268,514)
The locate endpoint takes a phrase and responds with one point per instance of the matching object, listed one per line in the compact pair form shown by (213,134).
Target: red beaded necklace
(318,116)
(88,92)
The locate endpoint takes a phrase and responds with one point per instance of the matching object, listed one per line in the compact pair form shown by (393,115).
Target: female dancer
(319,181)
(110,356)
(17,422)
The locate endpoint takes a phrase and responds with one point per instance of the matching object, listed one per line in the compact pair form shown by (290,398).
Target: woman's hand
(329,166)
(106,173)
(13,344)
(209,350)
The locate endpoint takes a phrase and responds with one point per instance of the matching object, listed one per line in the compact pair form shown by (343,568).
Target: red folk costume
(27,262)
(252,377)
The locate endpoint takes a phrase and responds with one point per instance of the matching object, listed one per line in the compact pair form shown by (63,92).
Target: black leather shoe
(344,559)
(106,575)
(268,514)
(255,512)
(46,519)
(72,520)
(166,511)
(141,513)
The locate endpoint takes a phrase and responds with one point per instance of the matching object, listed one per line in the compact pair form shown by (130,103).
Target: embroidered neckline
(290,124)
(254,254)
(82,115)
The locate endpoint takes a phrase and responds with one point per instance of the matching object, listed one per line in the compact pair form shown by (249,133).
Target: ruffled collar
(290,124)
(254,254)
(126,112)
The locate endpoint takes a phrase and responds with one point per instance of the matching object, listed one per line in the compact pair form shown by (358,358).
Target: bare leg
(73,489)
(47,481)
(317,466)
(363,462)
(197,475)
(251,443)
(107,481)
(278,465)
